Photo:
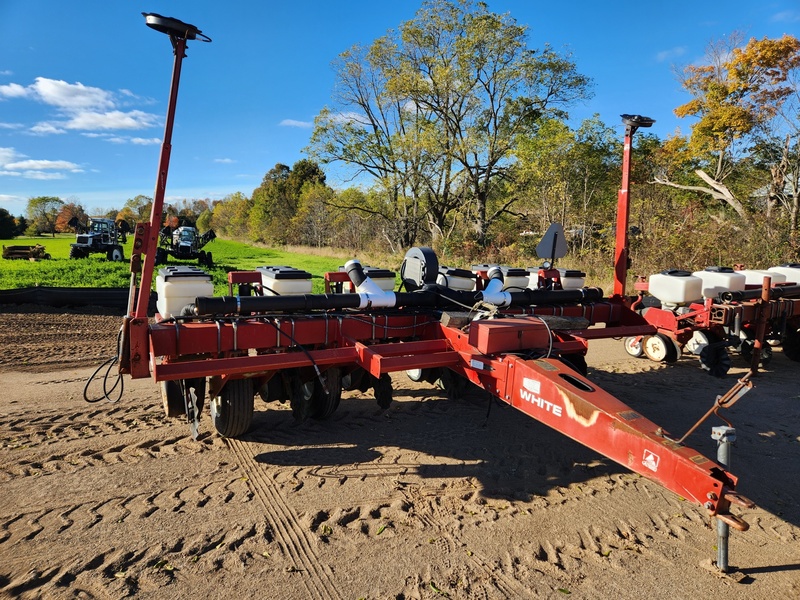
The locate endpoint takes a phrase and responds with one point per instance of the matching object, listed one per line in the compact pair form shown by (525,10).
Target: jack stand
(725,436)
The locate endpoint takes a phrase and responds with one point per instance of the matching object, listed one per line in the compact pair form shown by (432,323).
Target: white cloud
(115,119)
(293,123)
(13,164)
(14,90)
(42,175)
(226,161)
(145,141)
(71,96)
(786,16)
(81,107)
(6,72)
(671,53)
(46,129)
(40,164)
(13,204)
(11,125)
(8,155)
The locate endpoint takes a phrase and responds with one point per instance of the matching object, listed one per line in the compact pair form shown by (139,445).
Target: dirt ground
(429,499)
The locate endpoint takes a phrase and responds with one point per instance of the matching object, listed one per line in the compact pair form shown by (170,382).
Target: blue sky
(84,85)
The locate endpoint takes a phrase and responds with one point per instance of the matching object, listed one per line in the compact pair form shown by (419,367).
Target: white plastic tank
(284,281)
(756,276)
(571,279)
(383,277)
(676,287)
(456,279)
(720,279)
(790,270)
(178,286)
(515,279)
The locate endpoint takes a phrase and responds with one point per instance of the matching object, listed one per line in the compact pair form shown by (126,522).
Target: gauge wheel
(633,346)
(660,348)
(232,410)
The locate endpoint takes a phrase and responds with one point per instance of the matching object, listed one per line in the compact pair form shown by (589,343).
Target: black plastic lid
(182,271)
(676,273)
(378,272)
(514,272)
(285,272)
(454,272)
(571,273)
(791,265)
(716,269)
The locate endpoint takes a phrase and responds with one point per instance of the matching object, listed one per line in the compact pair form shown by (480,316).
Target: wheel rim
(414,374)
(660,348)
(633,346)
(655,348)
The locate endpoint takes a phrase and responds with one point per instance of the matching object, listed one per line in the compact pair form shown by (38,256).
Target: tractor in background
(184,243)
(99,235)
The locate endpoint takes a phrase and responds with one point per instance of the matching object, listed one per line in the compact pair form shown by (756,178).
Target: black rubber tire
(383,390)
(747,348)
(715,360)
(302,397)
(791,343)
(201,259)
(273,390)
(76,252)
(324,404)
(209,260)
(161,256)
(116,254)
(452,383)
(232,410)
(577,362)
(172,399)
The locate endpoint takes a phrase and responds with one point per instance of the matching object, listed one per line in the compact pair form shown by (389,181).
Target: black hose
(431,296)
(781,291)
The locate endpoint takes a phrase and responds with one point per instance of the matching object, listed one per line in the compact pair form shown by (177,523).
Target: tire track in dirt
(488,577)
(25,526)
(130,453)
(294,539)
(114,573)
(50,428)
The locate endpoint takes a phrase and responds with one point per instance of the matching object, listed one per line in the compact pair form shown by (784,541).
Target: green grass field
(96,271)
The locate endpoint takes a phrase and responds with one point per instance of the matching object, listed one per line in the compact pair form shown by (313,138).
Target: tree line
(458,134)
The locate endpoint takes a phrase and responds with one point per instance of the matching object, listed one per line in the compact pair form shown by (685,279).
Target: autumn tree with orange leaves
(736,94)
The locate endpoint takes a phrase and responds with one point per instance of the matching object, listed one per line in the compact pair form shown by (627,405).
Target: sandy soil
(429,499)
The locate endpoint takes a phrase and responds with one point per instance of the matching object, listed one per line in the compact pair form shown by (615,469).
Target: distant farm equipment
(35,252)
(99,235)
(184,243)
